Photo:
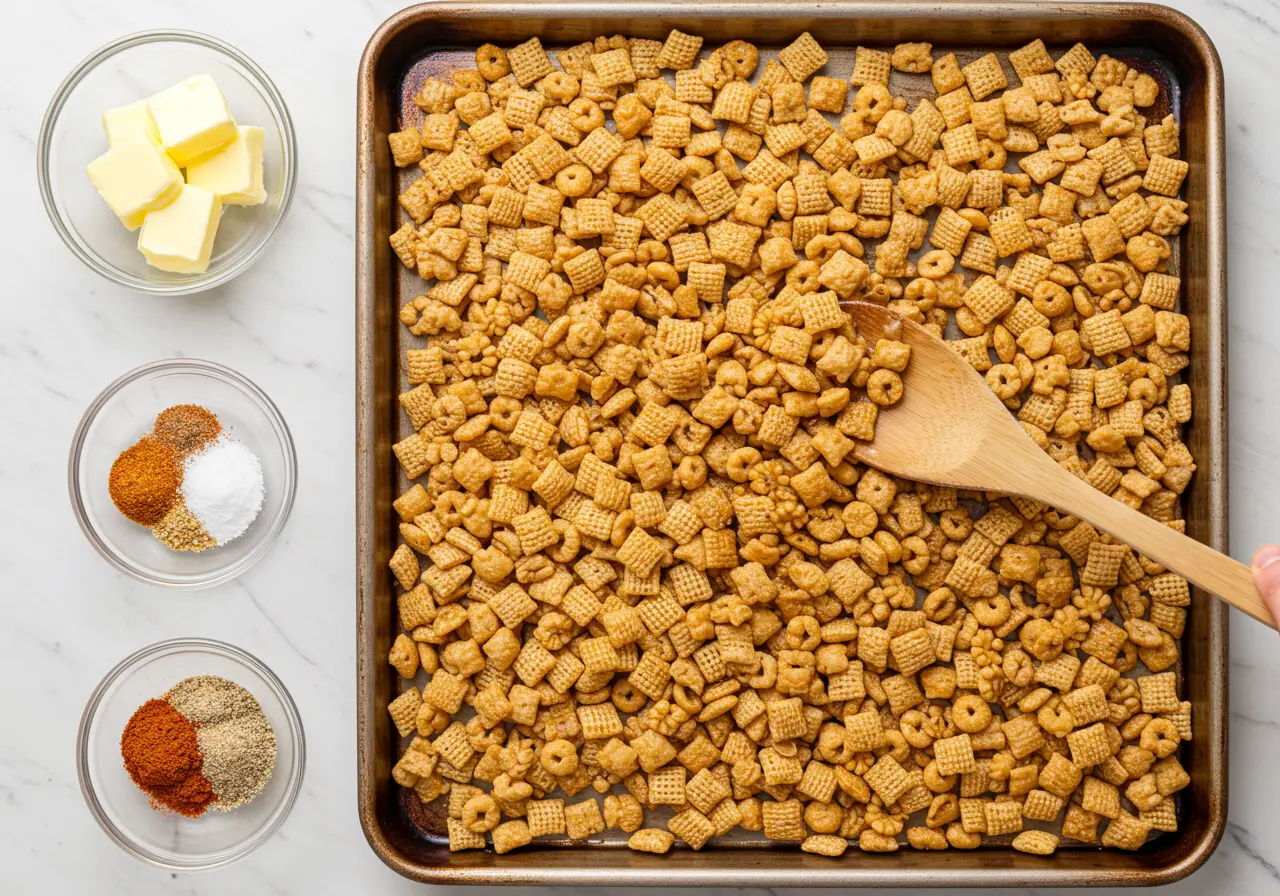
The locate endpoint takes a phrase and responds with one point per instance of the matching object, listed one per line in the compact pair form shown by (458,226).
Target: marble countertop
(288,325)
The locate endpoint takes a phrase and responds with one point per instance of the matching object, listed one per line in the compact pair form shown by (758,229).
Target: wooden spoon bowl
(949,428)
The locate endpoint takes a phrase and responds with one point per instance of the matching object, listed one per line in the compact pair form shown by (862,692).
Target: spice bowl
(125,411)
(132,68)
(163,838)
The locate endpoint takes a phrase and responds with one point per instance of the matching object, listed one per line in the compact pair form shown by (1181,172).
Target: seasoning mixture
(205,744)
(193,485)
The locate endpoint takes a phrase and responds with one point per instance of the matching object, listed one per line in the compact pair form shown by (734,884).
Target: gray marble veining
(287,324)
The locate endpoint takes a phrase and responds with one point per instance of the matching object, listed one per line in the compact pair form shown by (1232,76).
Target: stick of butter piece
(123,122)
(234,172)
(179,237)
(192,118)
(135,178)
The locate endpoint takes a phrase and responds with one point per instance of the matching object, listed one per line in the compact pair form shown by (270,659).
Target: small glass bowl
(164,838)
(123,413)
(133,68)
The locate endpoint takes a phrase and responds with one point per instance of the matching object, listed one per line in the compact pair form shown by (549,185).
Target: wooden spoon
(950,429)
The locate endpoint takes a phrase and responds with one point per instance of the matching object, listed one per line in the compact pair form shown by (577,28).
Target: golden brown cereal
(650,555)
(1040,843)
(653,840)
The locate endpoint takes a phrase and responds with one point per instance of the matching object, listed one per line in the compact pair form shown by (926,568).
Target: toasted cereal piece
(960,144)
(692,827)
(404,711)
(888,779)
(1041,805)
(529,62)
(1089,746)
(653,840)
(784,820)
(828,94)
(825,845)
(912,651)
(733,102)
(1037,843)
(802,57)
(715,194)
(679,50)
(973,815)
(1126,832)
(404,242)
(786,719)
(1163,817)
(640,553)
(705,790)
(545,817)
(1077,60)
(1087,704)
(406,147)
(913,58)
(613,67)
(984,76)
(1165,175)
(1023,734)
(1009,231)
(583,820)
(667,786)
(870,67)
(1159,692)
(511,834)
(954,755)
(461,837)
(987,299)
(1033,59)
(1003,817)
(598,150)
(404,566)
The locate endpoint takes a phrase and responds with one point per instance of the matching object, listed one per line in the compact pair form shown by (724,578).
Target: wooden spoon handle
(1216,573)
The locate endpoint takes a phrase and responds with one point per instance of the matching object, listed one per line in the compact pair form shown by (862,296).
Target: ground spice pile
(162,756)
(186,480)
(144,481)
(206,743)
(187,428)
(235,738)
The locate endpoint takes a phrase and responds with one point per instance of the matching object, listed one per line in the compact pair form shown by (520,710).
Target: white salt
(222,486)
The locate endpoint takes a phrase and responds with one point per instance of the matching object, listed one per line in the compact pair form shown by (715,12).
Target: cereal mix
(644,587)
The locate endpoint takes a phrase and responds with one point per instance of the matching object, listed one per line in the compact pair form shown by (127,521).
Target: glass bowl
(133,68)
(163,838)
(123,413)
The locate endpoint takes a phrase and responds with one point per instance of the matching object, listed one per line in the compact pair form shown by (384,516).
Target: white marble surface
(287,324)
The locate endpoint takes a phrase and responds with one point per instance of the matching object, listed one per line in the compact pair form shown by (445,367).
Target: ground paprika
(162,756)
(144,481)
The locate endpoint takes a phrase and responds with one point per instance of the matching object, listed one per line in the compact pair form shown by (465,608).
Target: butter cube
(192,118)
(135,178)
(234,172)
(179,237)
(123,122)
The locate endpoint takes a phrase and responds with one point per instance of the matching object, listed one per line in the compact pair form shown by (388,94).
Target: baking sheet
(439,38)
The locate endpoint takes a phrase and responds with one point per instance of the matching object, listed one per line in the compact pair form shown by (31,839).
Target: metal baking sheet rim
(763,867)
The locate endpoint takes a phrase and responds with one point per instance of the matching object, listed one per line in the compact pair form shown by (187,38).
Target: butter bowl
(119,77)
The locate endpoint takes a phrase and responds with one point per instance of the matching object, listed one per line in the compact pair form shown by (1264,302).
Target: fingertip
(1265,556)
(1266,575)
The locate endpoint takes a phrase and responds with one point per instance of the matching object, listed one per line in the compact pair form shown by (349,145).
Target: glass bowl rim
(53,114)
(227,651)
(202,368)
